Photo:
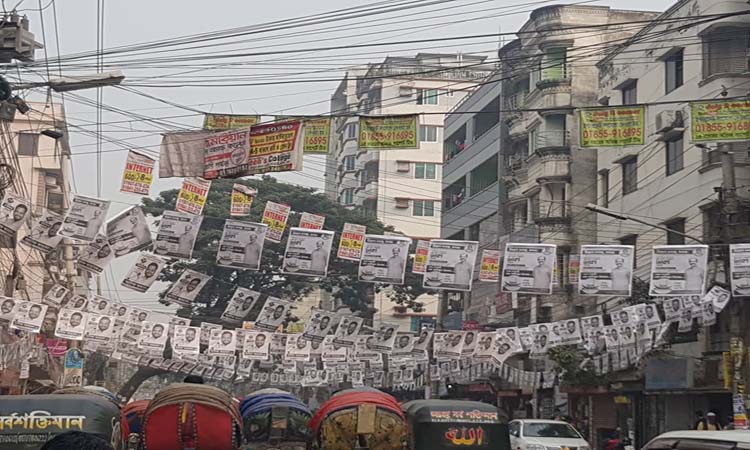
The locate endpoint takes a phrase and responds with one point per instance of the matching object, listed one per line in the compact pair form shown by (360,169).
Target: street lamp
(622,216)
(67,84)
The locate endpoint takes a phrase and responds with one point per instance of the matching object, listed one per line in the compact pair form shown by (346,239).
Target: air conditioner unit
(668,121)
(405,91)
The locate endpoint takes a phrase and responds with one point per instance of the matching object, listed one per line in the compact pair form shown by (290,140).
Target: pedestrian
(76,440)
(711,423)
(700,420)
(730,423)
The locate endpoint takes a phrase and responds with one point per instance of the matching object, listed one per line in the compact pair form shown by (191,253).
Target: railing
(453,199)
(515,101)
(551,139)
(554,209)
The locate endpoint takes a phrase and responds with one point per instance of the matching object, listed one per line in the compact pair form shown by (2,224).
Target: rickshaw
(275,419)
(132,423)
(452,424)
(360,418)
(28,421)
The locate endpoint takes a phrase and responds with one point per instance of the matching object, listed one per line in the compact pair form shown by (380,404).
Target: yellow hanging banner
(720,120)
(612,127)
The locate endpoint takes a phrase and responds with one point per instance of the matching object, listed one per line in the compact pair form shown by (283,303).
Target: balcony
(546,142)
(555,93)
(554,220)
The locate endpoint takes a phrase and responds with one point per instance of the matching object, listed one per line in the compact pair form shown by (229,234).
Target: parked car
(528,434)
(701,440)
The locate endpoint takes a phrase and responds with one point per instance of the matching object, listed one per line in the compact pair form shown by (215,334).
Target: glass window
(349,163)
(604,191)
(554,63)
(674,70)
(487,117)
(484,176)
(725,51)
(425,171)
(474,232)
(28,144)
(675,238)
(630,93)
(428,133)
(552,430)
(675,155)
(427,97)
(423,208)
(351,131)
(629,175)
(347,196)
(533,139)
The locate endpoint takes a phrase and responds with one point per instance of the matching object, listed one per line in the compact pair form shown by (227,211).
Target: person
(76,440)
(395,265)
(710,424)
(571,327)
(624,317)
(190,335)
(694,276)
(403,342)
(511,334)
(423,337)
(319,258)
(323,325)
(463,270)
(620,276)
(75,320)
(260,340)
(469,338)
(15,219)
(251,252)
(157,331)
(93,225)
(150,270)
(542,278)
(485,344)
(193,284)
(700,420)
(352,328)
(104,324)
(226,338)
(388,334)
(193,379)
(185,241)
(34,312)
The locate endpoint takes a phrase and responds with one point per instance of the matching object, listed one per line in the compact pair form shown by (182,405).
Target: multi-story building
(672,183)
(548,72)
(402,188)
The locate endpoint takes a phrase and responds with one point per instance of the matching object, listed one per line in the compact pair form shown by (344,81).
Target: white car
(701,440)
(530,434)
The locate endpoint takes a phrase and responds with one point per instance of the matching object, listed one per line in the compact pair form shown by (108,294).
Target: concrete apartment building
(402,188)
(547,72)
(671,182)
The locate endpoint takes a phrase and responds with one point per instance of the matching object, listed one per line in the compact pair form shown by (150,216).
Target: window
(675,227)
(425,171)
(423,208)
(483,176)
(535,76)
(725,51)
(533,207)
(487,117)
(28,144)
(629,175)
(554,64)
(428,133)
(675,156)
(349,163)
(474,232)
(673,66)
(347,196)
(630,93)
(351,130)
(533,139)
(604,188)
(427,97)
(631,239)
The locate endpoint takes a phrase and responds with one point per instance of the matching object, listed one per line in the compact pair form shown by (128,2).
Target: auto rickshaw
(275,419)
(28,421)
(360,418)
(451,424)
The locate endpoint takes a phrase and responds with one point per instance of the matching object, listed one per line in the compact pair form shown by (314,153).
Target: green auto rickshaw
(455,425)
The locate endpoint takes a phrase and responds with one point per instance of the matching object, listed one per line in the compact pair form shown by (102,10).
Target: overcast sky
(137,21)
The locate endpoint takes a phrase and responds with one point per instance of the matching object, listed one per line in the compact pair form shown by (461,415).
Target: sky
(74,25)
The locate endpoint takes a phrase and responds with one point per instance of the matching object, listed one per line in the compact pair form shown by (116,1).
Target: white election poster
(739,263)
(144,272)
(307,252)
(273,314)
(153,336)
(297,348)
(241,245)
(606,270)
(138,174)
(450,265)
(257,345)
(128,232)
(100,329)
(96,256)
(240,305)
(177,234)
(678,270)
(384,259)
(186,340)
(43,235)
(184,291)
(385,337)
(55,296)
(85,218)
(71,324)
(222,342)
(352,239)
(528,268)
(321,324)
(348,330)
(99,305)
(14,211)
(29,317)
(311,221)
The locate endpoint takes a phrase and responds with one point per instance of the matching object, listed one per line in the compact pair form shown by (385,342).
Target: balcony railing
(453,199)
(546,139)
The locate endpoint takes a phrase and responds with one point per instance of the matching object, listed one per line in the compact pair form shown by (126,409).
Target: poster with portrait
(470,342)
(71,324)
(310,221)
(185,290)
(364,349)
(503,348)
(453,344)
(439,342)
(404,345)
(77,302)
(96,255)
(347,331)
(177,321)
(333,352)
(153,337)
(484,350)
(222,343)
(528,268)
(627,336)
(321,323)
(177,234)
(739,269)
(186,340)
(275,216)
(625,316)
(85,218)
(385,337)
(297,348)
(206,329)
(384,259)
(128,232)
(28,317)
(570,332)
(257,345)
(99,305)
(539,347)
(100,328)
(647,314)
(240,305)
(718,297)
(450,265)
(420,256)
(421,345)
(14,211)
(241,245)
(606,270)
(307,252)
(272,315)
(591,323)
(144,272)
(351,242)
(55,296)
(43,235)
(678,270)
